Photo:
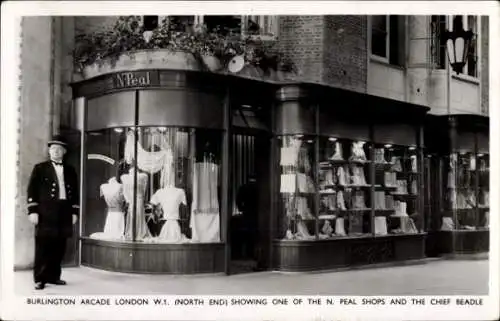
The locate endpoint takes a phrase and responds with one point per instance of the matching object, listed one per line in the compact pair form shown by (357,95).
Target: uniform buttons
(53,184)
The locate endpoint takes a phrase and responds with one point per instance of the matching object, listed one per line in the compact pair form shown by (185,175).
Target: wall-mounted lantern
(458,44)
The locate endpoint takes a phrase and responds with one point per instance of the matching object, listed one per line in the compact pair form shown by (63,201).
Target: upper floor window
(438,42)
(380,39)
(472,59)
(387,38)
(258,26)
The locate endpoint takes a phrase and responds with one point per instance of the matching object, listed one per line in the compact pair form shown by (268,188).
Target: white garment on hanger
(141,228)
(205,220)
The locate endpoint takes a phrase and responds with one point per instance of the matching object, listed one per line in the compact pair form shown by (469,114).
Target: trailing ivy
(127,36)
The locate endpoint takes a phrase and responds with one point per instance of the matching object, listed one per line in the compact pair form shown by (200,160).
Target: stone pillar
(418,60)
(35,125)
(64,67)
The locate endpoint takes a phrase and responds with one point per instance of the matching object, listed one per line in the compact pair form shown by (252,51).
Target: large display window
(466,197)
(345,188)
(153,184)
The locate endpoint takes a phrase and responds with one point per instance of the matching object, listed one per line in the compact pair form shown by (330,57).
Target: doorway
(250,211)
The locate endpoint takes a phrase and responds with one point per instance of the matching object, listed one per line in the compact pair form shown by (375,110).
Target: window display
(484,190)
(344,188)
(356,196)
(297,188)
(396,189)
(467,191)
(153,184)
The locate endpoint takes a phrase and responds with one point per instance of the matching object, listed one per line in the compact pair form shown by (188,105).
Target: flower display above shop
(220,49)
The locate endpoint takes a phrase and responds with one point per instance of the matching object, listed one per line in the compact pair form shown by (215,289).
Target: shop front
(458,166)
(197,172)
(348,180)
(163,153)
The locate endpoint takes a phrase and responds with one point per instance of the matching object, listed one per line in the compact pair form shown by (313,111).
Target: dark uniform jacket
(54,215)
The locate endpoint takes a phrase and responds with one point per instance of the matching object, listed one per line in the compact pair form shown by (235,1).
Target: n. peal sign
(136,79)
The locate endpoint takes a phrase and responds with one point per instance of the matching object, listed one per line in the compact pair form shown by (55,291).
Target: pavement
(434,277)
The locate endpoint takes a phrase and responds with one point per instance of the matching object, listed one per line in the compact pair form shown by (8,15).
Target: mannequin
(112,191)
(141,228)
(170,198)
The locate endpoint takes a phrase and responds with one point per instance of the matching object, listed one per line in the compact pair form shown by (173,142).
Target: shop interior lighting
(332,139)
(388,145)
(412,148)
(480,155)
(119,130)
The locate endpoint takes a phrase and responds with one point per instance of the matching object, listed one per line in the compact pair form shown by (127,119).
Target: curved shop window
(170,175)
(152,172)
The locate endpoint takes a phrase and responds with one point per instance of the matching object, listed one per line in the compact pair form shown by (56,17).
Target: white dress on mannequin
(141,228)
(170,198)
(205,220)
(115,220)
(114,225)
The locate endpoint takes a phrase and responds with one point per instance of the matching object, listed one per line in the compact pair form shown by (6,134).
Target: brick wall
(345,52)
(301,40)
(89,24)
(484,67)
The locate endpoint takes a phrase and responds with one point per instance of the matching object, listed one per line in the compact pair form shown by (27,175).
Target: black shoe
(39,286)
(58,282)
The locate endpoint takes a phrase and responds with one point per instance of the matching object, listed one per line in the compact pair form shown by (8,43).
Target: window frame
(273,25)
(387,40)
(435,38)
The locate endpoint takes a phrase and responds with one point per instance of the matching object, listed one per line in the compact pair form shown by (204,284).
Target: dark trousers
(49,253)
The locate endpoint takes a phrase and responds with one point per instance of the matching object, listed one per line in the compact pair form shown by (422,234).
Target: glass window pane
(105,206)
(484,189)
(344,188)
(177,185)
(223,24)
(461,200)
(379,36)
(297,189)
(396,188)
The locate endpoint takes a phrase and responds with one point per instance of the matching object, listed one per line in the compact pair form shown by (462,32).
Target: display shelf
(337,162)
(384,212)
(299,194)
(404,195)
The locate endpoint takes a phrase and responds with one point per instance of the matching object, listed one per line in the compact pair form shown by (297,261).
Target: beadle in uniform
(53,207)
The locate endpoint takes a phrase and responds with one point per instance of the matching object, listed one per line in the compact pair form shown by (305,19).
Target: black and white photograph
(247,158)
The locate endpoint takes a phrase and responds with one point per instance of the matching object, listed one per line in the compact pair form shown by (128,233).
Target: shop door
(250,212)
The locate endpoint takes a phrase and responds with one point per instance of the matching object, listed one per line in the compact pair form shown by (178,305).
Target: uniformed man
(53,208)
